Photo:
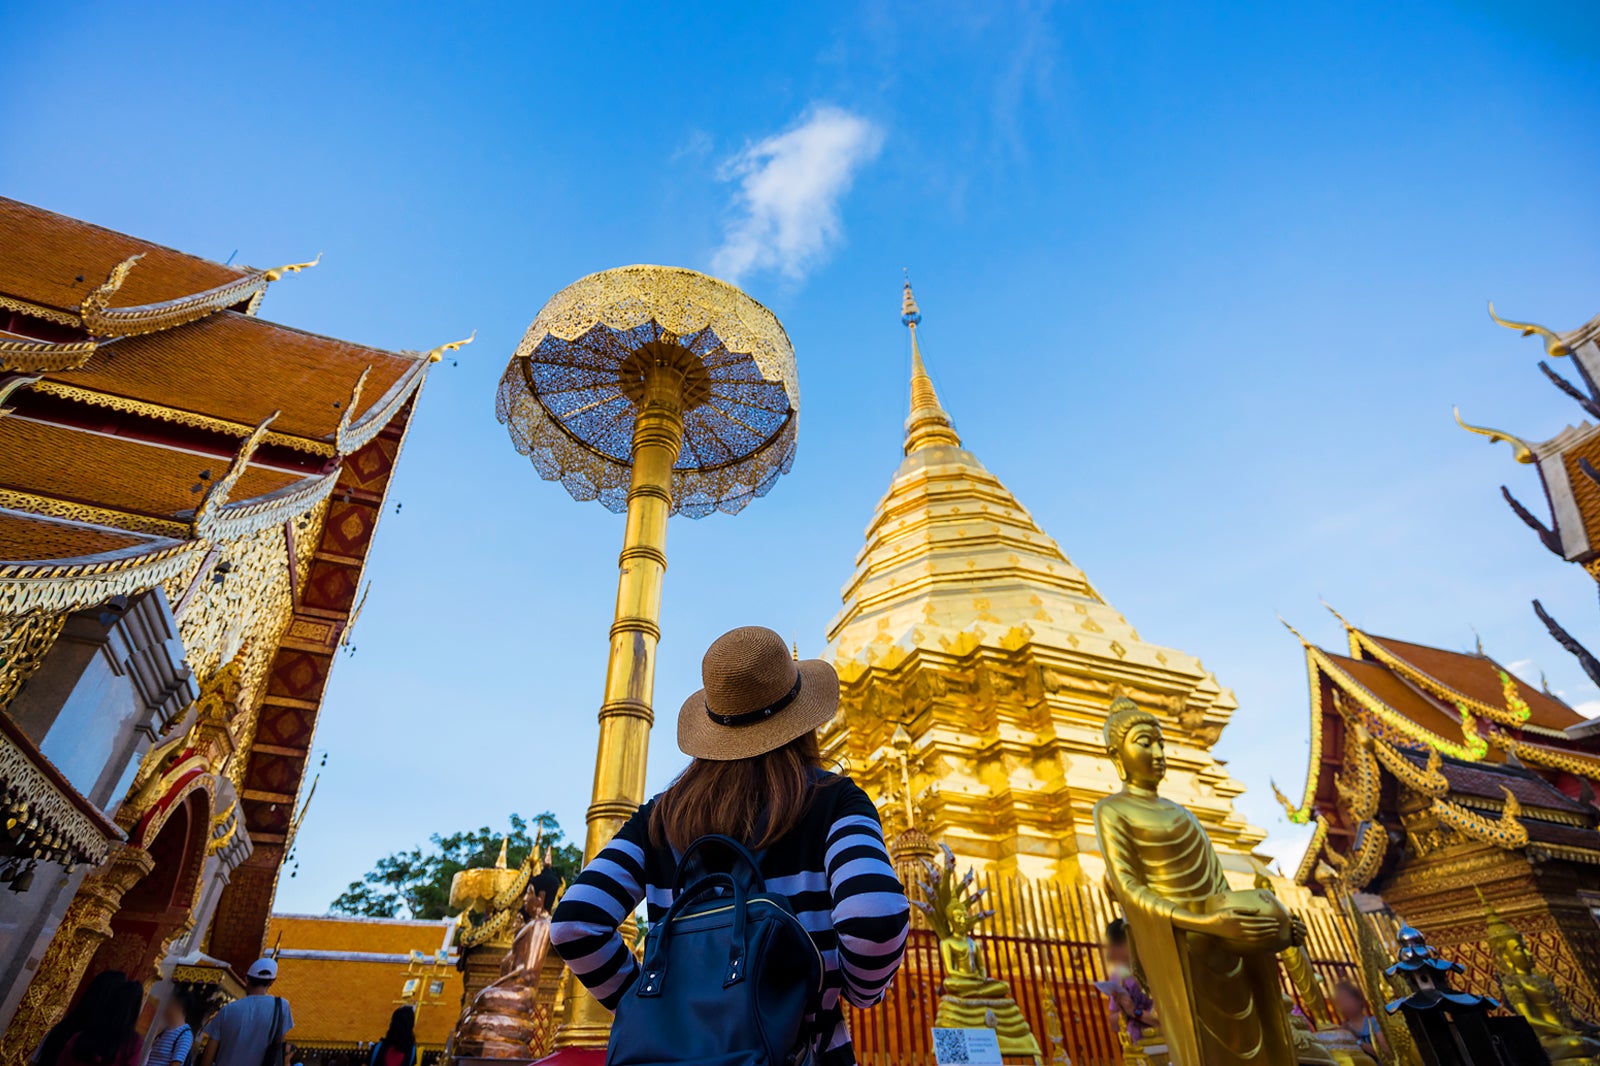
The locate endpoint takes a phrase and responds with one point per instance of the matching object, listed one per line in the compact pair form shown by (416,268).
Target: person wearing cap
(756,776)
(242,1033)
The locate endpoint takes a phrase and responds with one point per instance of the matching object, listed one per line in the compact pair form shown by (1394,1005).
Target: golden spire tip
(1293,630)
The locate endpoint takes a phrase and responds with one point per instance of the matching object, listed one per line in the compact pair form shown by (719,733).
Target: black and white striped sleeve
(583,929)
(870,912)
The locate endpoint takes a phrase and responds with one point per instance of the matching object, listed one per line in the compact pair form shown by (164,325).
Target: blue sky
(1201,285)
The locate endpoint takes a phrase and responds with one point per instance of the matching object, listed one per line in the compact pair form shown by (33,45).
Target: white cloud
(786,206)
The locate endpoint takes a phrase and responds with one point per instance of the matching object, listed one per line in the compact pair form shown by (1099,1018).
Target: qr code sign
(966,1047)
(950,1047)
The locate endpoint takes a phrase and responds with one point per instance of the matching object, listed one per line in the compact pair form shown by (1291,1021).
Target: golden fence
(1045,942)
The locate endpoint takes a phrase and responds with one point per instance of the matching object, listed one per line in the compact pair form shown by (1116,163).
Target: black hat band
(761,714)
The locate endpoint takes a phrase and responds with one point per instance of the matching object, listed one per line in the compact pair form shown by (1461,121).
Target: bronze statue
(1531,994)
(500,1023)
(970,999)
(1205,952)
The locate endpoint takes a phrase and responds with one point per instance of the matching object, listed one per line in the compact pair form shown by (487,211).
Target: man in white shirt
(243,1032)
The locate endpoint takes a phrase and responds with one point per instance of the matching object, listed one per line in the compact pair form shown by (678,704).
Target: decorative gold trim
(351,436)
(1555,344)
(217,519)
(70,829)
(1429,781)
(177,416)
(1506,832)
(44,357)
(1570,762)
(104,321)
(1521,450)
(47,314)
(121,521)
(234,520)
(1515,713)
(50,587)
(1399,722)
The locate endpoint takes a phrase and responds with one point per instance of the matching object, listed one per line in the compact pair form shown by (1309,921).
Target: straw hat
(756,699)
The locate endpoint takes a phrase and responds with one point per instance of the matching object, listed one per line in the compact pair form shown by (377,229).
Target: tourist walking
(109,1035)
(249,1031)
(399,1045)
(171,1045)
(757,777)
(92,1004)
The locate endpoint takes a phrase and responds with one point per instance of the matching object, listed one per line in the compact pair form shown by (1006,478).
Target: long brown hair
(732,797)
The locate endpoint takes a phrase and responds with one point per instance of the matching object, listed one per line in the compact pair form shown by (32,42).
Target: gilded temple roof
(1481,756)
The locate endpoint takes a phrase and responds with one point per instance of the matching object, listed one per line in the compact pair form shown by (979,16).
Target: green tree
(417,882)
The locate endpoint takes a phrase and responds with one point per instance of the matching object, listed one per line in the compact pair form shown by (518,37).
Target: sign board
(966,1047)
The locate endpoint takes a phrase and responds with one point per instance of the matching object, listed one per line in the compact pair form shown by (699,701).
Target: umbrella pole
(625,713)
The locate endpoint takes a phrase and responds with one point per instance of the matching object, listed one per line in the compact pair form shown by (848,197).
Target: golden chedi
(501,1021)
(970,998)
(1534,996)
(970,642)
(1205,953)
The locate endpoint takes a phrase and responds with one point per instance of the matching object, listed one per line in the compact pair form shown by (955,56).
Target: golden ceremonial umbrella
(657,391)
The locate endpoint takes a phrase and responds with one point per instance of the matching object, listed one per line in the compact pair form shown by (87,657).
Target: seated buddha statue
(1531,994)
(500,1022)
(970,998)
(1205,952)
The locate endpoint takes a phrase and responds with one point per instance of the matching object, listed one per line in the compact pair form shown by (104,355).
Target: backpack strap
(717,842)
(653,972)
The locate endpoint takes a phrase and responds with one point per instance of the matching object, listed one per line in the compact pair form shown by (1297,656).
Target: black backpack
(729,973)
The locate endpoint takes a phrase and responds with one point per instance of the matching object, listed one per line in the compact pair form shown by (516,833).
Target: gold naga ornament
(970,998)
(1205,952)
(1531,994)
(657,391)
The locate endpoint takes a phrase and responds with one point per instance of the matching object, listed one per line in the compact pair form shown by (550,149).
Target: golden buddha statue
(1206,953)
(1566,1040)
(500,1023)
(970,998)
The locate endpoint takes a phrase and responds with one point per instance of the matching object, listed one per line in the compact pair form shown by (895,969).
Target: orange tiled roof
(349,999)
(240,368)
(30,538)
(1406,700)
(115,472)
(56,261)
(1478,676)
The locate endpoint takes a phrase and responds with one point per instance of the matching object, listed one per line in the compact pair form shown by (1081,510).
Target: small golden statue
(1320,1022)
(500,1023)
(1205,952)
(970,999)
(1566,1040)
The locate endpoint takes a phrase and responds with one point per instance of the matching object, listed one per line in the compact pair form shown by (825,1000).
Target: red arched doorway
(158,905)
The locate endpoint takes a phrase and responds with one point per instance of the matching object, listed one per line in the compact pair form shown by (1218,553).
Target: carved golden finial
(505,842)
(101,296)
(1520,449)
(435,354)
(347,416)
(290,268)
(1336,614)
(1303,641)
(1290,808)
(217,495)
(1554,345)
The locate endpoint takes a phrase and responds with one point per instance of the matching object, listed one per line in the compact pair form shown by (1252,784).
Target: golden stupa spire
(928,425)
